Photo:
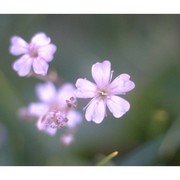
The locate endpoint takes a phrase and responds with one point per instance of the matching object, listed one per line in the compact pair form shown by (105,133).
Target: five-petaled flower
(35,54)
(56,108)
(104,92)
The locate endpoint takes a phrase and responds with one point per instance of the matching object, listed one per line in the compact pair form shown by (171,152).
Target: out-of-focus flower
(56,109)
(37,54)
(67,139)
(104,92)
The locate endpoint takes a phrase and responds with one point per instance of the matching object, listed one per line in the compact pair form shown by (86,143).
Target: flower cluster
(56,108)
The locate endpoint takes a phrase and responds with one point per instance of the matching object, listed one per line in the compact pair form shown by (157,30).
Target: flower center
(103,93)
(55,118)
(33,51)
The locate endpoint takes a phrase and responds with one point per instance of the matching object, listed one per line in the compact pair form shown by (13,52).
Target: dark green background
(145,46)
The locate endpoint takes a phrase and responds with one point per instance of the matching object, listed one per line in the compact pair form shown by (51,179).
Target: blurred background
(145,46)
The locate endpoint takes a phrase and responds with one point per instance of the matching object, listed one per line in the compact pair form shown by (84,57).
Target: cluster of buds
(54,119)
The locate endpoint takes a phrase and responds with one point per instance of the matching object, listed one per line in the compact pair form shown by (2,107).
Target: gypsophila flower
(53,111)
(104,92)
(35,54)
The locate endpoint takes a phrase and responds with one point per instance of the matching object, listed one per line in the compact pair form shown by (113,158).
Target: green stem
(107,158)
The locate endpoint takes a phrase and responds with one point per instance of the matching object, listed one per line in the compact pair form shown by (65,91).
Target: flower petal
(46,92)
(40,39)
(74,118)
(23,65)
(85,88)
(101,73)
(37,109)
(18,46)
(96,111)
(65,93)
(42,127)
(122,84)
(50,131)
(118,106)
(47,52)
(40,66)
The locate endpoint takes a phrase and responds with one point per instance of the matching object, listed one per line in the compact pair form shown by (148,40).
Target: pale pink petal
(18,46)
(46,92)
(50,131)
(122,84)
(42,127)
(85,89)
(37,109)
(65,92)
(118,106)
(74,118)
(47,52)
(23,65)
(40,39)
(101,73)
(96,111)
(40,66)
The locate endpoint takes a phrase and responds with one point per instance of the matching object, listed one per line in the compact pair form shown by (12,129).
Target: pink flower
(56,108)
(104,92)
(37,54)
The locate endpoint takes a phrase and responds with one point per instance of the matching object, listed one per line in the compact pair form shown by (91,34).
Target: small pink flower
(104,92)
(37,54)
(56,107)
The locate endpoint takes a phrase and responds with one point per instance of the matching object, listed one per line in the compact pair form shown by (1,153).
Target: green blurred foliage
(145,46)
